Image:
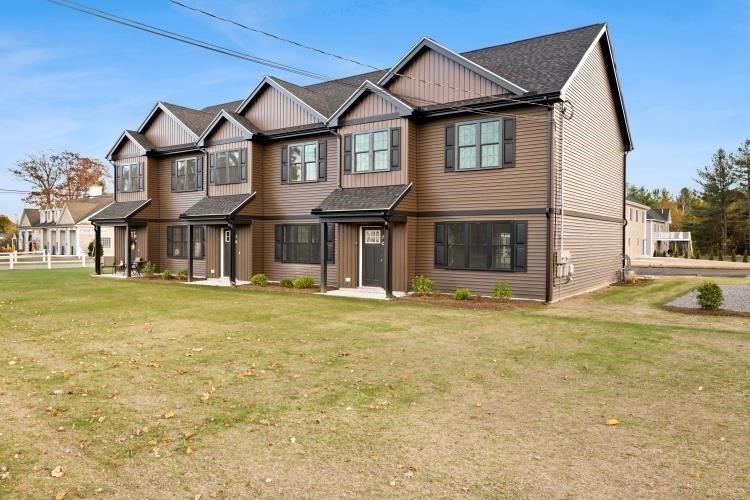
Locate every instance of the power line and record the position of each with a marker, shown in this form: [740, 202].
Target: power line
[337, 56]
[241, 55]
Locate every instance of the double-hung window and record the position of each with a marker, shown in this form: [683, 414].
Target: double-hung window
[479, 144]
[371, 151]
[303, 162]
[300, 243]
[493, 246]
[177, 242]
[228, 167]
[186, 173]
[129, 178]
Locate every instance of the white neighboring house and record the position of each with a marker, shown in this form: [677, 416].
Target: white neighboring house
[65, 230]
[647, 231]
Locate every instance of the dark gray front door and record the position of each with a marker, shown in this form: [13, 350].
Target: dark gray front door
[226, 251]
[373, 251]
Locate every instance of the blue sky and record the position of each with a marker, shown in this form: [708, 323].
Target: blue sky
[71, 81]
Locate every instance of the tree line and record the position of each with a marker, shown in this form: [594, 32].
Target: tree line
[717, 214]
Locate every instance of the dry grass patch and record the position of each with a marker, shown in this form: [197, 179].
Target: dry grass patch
[179, 390]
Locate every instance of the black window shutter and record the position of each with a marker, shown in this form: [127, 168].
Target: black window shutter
[509, 142]
[439, 244]
[212, 168]
[199, 173]
[450, 147]
[118, 184]
[331, 243]
[243, 164]
[322, 163]
[348, 154]
[284, 164]
[519, 246]
[170, 238]
[278, 247]
[140, 176]
[174, 175]
[396, 148]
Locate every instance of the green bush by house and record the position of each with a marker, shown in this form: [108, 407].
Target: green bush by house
[166, 274]
[149, 269]
[304, 282]
[462, 294]
[182, 275]
[502, 291]
[710, 295]
[286, 282]
[422, 285]
[259, 279]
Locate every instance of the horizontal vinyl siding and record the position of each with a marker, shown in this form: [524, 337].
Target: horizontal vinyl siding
[165, 131]
[176, 265]
[226, 189]
[377, 178]
[433, 78]
[171, 205]
[273, 110]
[300, 198]
[135, 195]
[522, 186]
[278, 270]
[595, 248]
[528, 285]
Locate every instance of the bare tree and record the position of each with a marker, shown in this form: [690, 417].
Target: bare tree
[58, 177]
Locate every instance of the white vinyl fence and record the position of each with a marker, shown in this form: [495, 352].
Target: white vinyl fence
[42, 260]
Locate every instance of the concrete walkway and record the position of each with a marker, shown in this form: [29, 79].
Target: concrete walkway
[362, 293]
[696, 271]
[216, 282]
[680, 263]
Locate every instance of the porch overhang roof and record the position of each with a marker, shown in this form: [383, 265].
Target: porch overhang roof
[362, 204]
[218, 209]
[119, 212]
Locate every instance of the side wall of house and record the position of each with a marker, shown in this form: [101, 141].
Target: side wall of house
[591, 194]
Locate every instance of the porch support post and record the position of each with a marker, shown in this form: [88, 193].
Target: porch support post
[232, 252]
[128, 251]
[191, 252]
[323, 257]
[97, 244]
[388, 259]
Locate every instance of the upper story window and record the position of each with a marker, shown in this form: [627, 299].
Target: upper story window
[480, 144]
[228, 167]
[187, 174]
[130, 178]
[377, 151]
[371, 151]
[303, 162]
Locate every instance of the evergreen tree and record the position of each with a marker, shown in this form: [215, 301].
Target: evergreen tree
[741, 161]
[717, 183]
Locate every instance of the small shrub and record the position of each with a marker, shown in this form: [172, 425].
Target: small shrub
[733, 258]
[462, 294]
[502, 291]
[166, 274]
[182, 275]
[304, 282]
[744, 256]
[422, 285]
[710, 295]
[259, 279]
[286, 282]
[697, 254]
[149, 269]
[630, 277]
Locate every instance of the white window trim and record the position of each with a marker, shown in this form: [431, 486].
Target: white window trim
[304, 170]
[129, 166]
[216, 167]
[371, 151]
[195, 187]
[478, 145]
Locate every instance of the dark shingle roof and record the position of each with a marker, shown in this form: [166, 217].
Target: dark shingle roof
[223, 206]
[227, 106]
[363, 198]
[541, 64]
[243, 121]
[141, 140]
[660, 214]
[195, 120]
[121, 210]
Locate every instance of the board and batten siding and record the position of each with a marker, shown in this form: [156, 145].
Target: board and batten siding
[522, 186]
[369, 105]
[141, 244]
[295, 199]
[593, 175]
[227, 130]
[244, 187]
[163, 130]
[127, 149]
[386, 178]
[455, 82]
[527, 285]
[273, 110]
[348, 255]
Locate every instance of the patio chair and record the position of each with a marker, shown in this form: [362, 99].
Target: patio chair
[108, 263]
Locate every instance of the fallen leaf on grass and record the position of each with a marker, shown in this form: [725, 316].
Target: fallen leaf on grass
[101, 419]
[189, 451]
[613, 421]
[60, 495]
[205, 396]
[169, 414]
[57, 472]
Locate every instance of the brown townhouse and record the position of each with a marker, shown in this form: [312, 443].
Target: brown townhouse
[502, 163]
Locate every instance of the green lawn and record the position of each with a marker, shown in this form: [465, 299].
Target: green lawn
[148, 389]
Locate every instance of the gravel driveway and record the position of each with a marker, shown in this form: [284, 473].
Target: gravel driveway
[736, 298]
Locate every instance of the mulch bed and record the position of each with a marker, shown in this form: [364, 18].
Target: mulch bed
[706, 312]
[639, 283]
[475, 302]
